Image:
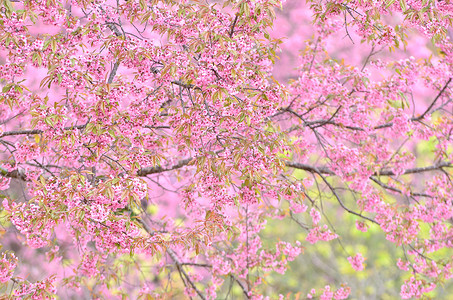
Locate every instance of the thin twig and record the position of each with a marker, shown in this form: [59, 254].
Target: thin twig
[233, 25]
[434, 101]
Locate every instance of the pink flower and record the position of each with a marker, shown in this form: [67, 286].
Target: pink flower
[361, 226]
[327, 294]
[297, 207]
[357, 262]
[315, 216]
[342, 293]
[402, 265]
[7, 266]
[4, 183]
[320, 234]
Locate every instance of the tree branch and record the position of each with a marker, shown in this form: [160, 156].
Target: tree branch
[393, 189]
[117, 63]
[178, 263]
[36, 131]
[13, 174]
[311, 169]
[159, 169]
[244, 290]
[332, 189]
[181, 269]
[319, 123]
[143, 172]
[325, 170]
[185, 85]
[113, 73]
[434, 101]
[233, 25]
[437, 166]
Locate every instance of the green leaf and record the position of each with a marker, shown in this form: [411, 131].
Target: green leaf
[389, 3]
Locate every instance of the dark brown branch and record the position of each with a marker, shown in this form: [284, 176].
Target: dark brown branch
[332, 189]
[311, 169]
[369, 56]
[437, 166]
[233, 25]
[346, 27]
[325, 170]
[142, 172]
[35, 131]
[185, 85]
[113, 73]
[181, 270]
[38, 131]
[327, 122]
[13, 174]
[20, 132]
[298, 222]
[330, 119]
[159, 169]
[113, 28]
[117, 63]
[393, 189]
[319, 123]
[434, 101]
[244, 290]
[321, 171]
[196, 265]
[10, 118]
[157, 127]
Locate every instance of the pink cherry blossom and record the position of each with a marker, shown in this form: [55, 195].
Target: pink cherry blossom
[357, 261]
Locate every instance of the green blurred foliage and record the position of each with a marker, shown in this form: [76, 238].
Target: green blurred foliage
[325, 263]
